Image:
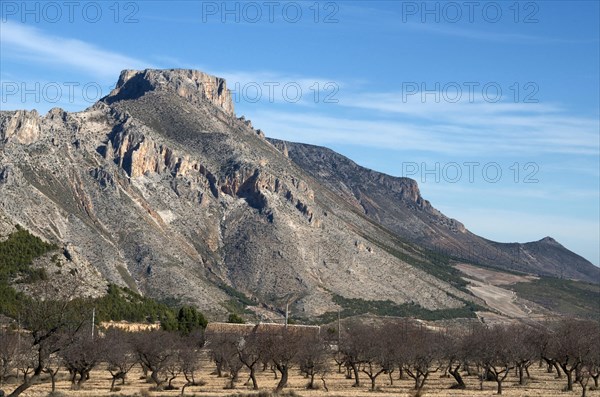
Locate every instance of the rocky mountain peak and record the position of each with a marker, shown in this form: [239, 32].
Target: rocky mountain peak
[192, 85]
[549, 240]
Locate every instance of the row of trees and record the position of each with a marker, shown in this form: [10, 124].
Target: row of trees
[569, 347]
[162, 355]
[401, 350]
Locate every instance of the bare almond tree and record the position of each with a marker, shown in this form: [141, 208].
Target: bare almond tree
[251, 352]
[493, 349]
[454, 347]
[47, 323]
[569, 345]
[524, 340]
[314, 359]
[118, 354]
[190, 361]
[282, 346]
[154, 349]
[422, 354]
[9, 352]
[81, 354]
[352, 347]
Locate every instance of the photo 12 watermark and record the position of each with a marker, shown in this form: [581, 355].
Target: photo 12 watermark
[70, 11]
[525, 12]
[284, 91]
[270, 11]
[469, 91]
[471, 172]
[50, 92]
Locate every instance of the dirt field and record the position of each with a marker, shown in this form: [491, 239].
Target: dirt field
[542, 384]
[487, 285]
[492, 277]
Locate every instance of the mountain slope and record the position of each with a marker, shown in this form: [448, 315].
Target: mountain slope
[162, 188]
[397, 204]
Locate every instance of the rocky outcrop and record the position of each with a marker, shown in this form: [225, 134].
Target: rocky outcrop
[21, 127]
[192, 85]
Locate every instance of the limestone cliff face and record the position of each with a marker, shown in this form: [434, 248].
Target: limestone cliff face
[21, 127]
[192, 85]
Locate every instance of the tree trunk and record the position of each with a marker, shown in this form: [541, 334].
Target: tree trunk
[311, 384]
[284, 377]
[253, 377]
[558, 372]
[324, 383]
[356, 378]
[144, 370]
[401, 375]
[569, 375]
[521, 377]
[154, 377]
[112, 385]
[53, 380]
[27, 383]
[499, 386]
[460, 383]
[422, 385]
[84, 376]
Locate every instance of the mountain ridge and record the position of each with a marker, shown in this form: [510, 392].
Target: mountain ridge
[161, 188]
[336, 170]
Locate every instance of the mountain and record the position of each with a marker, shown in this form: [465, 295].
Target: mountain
[397, 204]
[161, 188]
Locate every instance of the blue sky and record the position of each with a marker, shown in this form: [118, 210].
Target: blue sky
[493, 107]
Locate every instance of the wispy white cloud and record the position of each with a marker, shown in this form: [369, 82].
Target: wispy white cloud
[28, 43]
[459, 129]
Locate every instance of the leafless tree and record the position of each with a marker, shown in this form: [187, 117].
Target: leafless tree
[154, 349]
[454, 346]
[250, 350]
[282, 347]
[422, 354]
[189, 357]
[543, 340]
[524, 342]
[9, 352]
[314, 359]
[351, 345]
[47, 322]
[81, 354]
[53, 365]
[118, 354]
[493, 349]
[378, 357]
[220, 347]
[589, 336]
[569, 345]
